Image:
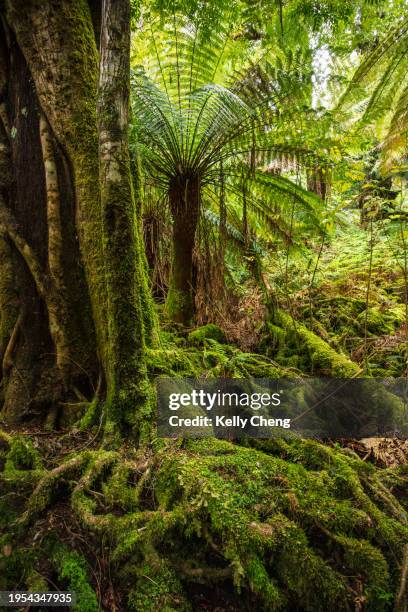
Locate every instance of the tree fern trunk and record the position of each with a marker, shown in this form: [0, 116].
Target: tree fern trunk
[184, 196]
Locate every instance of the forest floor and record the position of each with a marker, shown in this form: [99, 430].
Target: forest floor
[202, 525]
[209, 524]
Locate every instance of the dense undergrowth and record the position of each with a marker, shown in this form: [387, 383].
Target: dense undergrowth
[192, 525]
[371, 327]
[358, 311]
[185, 525]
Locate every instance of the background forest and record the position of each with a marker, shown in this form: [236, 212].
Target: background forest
[200, 189]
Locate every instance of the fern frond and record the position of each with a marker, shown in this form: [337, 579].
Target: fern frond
[378, 93]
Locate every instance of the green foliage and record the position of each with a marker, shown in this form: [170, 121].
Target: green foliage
[228, 95]
[198, 113]
[380, 82]
[221, 114]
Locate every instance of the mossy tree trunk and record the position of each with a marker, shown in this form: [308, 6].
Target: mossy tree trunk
[184, 197]
[126, 368]
[72, 278]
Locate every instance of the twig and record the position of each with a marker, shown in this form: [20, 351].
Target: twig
[400, 604]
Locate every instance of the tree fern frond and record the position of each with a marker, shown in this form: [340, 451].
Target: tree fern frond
[391, 43]
[232, 232]
[195, 111]
[395, 145]
[378, 92]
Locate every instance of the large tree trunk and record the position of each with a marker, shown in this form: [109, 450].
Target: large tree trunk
[72, 272]
[184, 196]
[51, 346]
[124, 263]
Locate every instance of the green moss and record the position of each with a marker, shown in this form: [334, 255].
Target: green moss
[323, 358]
[277, 335]
[36, 582]
[72, 571]
[368, 563]
[150, 318]
[91, 415]
[254, 503]
[340, 319]
[288, 524]
[216, 360]
[206, 332]
[377, 321]
[157, 587]
[22, 455]
[46, 484]
[260, 583]
[96, 465]
[179, 306]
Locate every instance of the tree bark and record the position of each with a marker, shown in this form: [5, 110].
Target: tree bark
[184, 197]
[73, 276]
[318, 181]
[122, 235]
[58, 43]
[27, 362]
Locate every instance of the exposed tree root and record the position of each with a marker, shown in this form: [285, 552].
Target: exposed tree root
[287, 525]
[8, 353]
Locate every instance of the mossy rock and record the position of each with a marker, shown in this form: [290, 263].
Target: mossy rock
[207, 332]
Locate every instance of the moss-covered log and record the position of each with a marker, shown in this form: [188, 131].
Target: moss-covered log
[287, 331]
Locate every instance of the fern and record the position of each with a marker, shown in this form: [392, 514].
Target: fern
[378, 92]
[203, 101]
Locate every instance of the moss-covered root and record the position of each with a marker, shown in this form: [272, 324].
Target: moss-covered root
[86, 467]
[301, 525]
[323, 357]
[293, 535]
[288, 525]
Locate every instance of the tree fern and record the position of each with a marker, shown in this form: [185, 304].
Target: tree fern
[199, 105]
